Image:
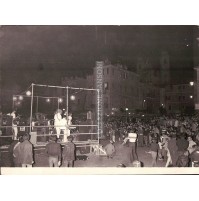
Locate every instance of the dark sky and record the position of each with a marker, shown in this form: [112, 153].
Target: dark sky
[43, 53]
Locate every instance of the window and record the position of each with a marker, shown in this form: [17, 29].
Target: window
[106, 85]
[112, 71]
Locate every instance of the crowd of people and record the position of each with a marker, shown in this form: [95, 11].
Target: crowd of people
[173, 139]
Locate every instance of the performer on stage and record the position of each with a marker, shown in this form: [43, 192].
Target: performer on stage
[67, 122]
[58, 121]
[64, 128]
[14, 124]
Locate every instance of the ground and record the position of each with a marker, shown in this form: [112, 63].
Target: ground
[97, 161]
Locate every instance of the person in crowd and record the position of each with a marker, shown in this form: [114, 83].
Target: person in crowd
[146, 132]
[26, 152]
[112, 134]
[194, 157]
[182, 145]
[132, 138]
[154, 151]
[172, 148]
[191, 144]
[53, 151]
[110, 149]
[14, 152]
[69, 153]
[140, 136]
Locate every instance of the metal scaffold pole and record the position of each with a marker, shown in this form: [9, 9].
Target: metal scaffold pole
[31, 109]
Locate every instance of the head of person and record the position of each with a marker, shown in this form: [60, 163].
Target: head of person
[53, 138]
[70, 138]
[121, 165]
[111, 141]
[26, 136]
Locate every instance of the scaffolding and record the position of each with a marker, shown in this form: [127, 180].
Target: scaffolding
[91, 143]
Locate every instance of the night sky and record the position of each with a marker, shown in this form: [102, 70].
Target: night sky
[42, 54]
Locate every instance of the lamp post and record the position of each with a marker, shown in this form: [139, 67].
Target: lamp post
[126, 113]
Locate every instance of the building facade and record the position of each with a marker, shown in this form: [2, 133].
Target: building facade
[179, 98]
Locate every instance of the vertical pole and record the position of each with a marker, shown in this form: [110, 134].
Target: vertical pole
[37, 105]
[57, 103]
[98, 115]
[31, 107]
[12, 103]
[67, 102]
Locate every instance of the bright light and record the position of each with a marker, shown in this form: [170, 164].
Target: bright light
[48, 100]
[127, 109]
[72, 97]
[191, 96]
[143, 115]
[18, 103]
[162, 104]
[144, 100]
[28, 93]
[191, 83]
[129, 113]
[20, 97]
[112, 113]
[60, 100]
[14, 98]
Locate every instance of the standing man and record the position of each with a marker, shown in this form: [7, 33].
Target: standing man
[58, 122]
[69, 153]
[53, 150]
[26, 152]
[132, 137]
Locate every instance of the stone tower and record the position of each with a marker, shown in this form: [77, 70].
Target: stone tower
[164, 69]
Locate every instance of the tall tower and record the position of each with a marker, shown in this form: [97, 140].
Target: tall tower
[164, 69]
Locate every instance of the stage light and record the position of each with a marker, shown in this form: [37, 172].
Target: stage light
[18, 103]
[48, 100]
[60, 100]
[20, 97]
[72, 97]
[28, 93]
[14, 98]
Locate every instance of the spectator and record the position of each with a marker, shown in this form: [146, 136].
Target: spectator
[69, 153]
[154, 152]
[26, 152]
[14, 152]
[53, 150]
[110, 149]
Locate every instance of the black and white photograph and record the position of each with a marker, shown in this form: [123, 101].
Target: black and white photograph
[115, 96]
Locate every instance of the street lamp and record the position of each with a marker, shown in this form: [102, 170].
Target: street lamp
[72, 97]
[126, 113]
[28, 93]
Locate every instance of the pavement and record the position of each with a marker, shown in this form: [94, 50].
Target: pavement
[121, 156]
